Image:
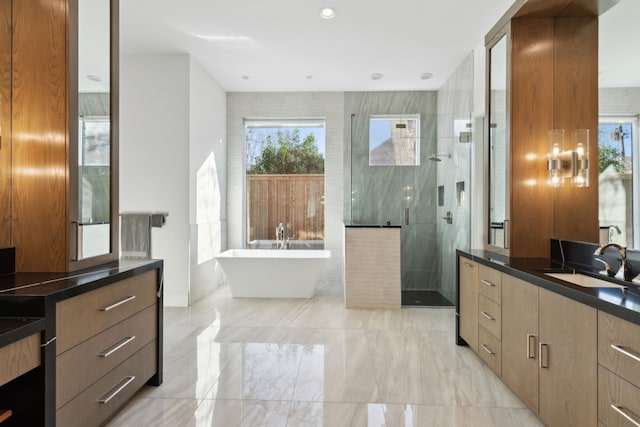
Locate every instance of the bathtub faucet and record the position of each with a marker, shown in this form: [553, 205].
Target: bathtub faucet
[281, 242]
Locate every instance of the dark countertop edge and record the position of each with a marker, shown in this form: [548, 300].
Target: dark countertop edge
[31, 326]
[371, 226]
[125, 270]
[532, 275]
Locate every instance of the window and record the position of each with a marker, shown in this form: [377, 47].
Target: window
[285, 183]
[618, 180]
[394, 140]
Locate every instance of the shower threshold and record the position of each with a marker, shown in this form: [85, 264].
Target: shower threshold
[424, 298]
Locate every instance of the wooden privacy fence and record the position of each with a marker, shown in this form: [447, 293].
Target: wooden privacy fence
[296, 200]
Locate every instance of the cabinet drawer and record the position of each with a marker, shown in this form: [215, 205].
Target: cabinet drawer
[84, 364]
[490, 316]
[19, 358]
[618, 400]
[86, 315]
[105, 397]
[619, 347]
[490, 350]
[490, 283]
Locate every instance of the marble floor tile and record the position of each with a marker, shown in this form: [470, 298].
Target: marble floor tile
[336, 367]
[156, 413]
[286, 362]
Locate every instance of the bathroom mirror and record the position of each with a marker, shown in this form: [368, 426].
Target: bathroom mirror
[619, 109]
[94, 213]
[497, 148]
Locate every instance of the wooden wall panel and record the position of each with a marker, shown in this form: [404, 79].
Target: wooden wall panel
[40, 139]
[576, 107]
[5, 123]
[531, 109]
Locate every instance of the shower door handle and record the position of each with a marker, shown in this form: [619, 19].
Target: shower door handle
[448, 217]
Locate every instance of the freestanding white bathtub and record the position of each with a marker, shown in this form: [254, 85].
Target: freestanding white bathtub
[266, 273]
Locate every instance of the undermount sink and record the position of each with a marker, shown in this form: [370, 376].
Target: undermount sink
[584, 280]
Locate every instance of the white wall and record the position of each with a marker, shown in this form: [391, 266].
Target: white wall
[327, 105]
[207, 179]
[172, 121]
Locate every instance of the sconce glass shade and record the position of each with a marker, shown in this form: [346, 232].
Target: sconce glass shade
[554, 162]
[580, 140]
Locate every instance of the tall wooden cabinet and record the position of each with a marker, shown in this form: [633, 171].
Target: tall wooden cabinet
[45, 135]
[551, 70]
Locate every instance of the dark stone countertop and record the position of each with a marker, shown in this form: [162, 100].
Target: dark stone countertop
[532, 270]
[32, 294]
[15, 329]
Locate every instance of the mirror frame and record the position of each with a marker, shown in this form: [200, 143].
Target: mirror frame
[491, 41]
[114, 253]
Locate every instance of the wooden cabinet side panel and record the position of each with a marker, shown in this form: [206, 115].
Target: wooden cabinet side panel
[576, 107]
[19, 357]
[531, 117]
[469, 302]
[569, 386]
[40, 140]
[519, 319]
[5, 122]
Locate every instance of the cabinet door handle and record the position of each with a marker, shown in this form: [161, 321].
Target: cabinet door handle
[117, 389]
[630, 354]
[119, 303]
[621, 410]
[486, 282]
[487, 315]
[467, 264]
[544, 355]
[117, 347]
[530, 347]
[487, 349]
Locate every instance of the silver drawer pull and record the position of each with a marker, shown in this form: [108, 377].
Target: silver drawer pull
[119, 303]
[621, 410]
[487, 315]
[544, 355]
[626, 352]
[117, 347]
[529, 346]
[117, 389]
[487, 349]
[486, 282]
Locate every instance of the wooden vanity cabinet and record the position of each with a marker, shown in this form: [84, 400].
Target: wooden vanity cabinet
[549, 354]
[489, 316]
[618, 371]
[106, 348]
[468, 301]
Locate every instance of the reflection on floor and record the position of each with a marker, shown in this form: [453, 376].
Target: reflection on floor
[425, 298]
[284, 362]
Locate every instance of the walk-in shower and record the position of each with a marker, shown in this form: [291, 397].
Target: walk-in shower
[392, 136]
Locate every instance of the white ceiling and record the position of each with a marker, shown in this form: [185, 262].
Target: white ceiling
[284, 45]
[278, 43]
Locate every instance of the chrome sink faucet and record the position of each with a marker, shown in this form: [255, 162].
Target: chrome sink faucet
[624, 272]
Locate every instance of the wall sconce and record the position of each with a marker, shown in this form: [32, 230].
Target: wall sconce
[572, 163]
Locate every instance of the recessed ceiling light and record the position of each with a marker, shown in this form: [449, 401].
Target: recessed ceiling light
[94, 78]
[245, 77]
[327, 12]
[308, 77]
[376, 76]
[426, 76]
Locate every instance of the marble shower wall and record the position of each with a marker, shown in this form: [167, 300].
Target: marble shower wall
[455, 106]
[377, 192]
